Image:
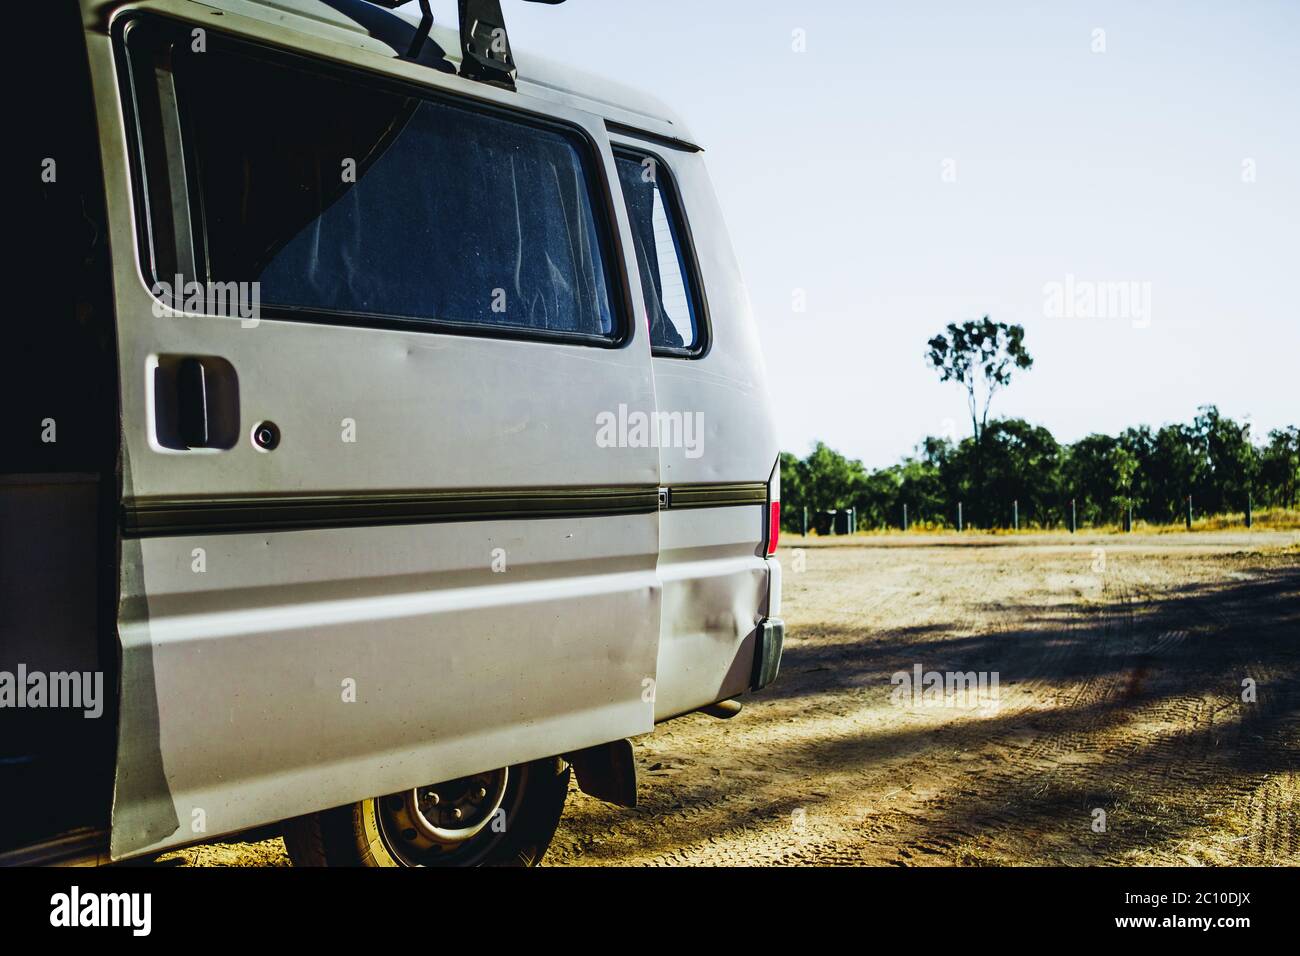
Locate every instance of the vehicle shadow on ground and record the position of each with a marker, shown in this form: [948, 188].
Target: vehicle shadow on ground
[1144, 707]
[1061, 644]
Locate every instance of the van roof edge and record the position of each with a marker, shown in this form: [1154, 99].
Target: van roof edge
[618, 102]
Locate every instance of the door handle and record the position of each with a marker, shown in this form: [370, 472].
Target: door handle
[196, 402]
[192, 403]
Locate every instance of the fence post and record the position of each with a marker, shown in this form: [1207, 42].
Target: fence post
[959, 525]
[1189, 512]
[1074, 516]
[1015, 514]
[1249, 516]
[905, 516]
[1128, 519]
[805, 521]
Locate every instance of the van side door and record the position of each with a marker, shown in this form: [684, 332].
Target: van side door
[371, 321]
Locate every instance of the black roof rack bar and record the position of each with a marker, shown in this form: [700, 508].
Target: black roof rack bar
[484, 44]
[422, 33]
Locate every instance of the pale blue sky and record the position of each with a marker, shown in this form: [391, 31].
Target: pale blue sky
[1125, 165]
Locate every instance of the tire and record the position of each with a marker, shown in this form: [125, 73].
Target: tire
[380, 831]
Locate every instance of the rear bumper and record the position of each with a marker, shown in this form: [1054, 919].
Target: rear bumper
[771, 632]
[767, 652]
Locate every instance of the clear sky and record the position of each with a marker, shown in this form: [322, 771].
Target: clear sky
[928, 162]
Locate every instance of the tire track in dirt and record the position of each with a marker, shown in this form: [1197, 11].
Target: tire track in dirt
[1179, 722]
[1057, 734]
[1262, 746]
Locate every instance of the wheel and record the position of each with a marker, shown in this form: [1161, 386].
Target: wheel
[502, 817]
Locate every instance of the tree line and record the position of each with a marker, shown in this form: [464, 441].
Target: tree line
[1012, 471]
[1152, 471]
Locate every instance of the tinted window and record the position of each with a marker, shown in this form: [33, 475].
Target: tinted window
[344, 197]
[658, 235]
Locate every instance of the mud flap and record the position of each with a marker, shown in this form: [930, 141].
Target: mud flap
[607, 772]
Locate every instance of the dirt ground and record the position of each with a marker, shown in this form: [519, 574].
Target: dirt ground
[1147, 711]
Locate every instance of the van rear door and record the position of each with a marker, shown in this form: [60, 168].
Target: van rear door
[369, 326]
[718, 446]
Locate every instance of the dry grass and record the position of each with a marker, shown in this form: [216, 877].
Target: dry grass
[1265, 519]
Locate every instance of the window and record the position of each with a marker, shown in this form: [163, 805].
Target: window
[671, 298]
[352, 200]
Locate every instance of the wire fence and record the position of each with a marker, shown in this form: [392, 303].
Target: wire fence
[844, 521]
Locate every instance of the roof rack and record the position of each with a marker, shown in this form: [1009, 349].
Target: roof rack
[484, 44]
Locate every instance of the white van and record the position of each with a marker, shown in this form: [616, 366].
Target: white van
[391, 438]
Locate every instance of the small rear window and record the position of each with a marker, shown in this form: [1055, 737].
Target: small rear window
[352, 200]
[658, 232]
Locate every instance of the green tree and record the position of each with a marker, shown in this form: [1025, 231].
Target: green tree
[1125, 465]
[878, 498]
[1279, 467]
[1090, 478]
[1230, 463]
[794, 492]
[980, 356]
[1018, 462]
[824, 480]
[921, 484]
[1173, 468]
[832, 479]
[1138, 444]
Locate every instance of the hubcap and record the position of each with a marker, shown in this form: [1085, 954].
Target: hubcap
[441, 817]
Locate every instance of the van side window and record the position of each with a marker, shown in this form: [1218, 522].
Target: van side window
[671, 297]
[357, 201]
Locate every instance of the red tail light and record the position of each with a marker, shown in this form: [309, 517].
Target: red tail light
[774, 527]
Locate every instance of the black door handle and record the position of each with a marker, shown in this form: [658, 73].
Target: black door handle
[197, 402]
[192, 403]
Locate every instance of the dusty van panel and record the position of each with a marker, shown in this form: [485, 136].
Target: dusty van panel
[352, 547]
[327, 666]
[715, 594]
